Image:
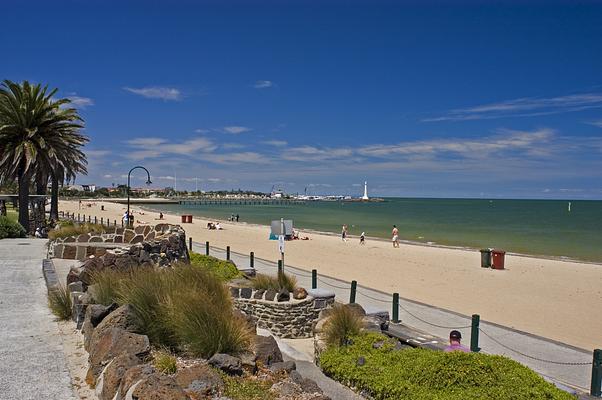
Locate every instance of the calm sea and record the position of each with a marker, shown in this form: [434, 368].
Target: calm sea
[536, 227]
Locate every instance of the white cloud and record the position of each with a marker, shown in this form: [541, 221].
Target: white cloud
[233, 146]
[153, 147]
[277, 143]
[263, 84]
[81, 102]
[236, 129]
[524, 107]
[199, 130]
[597, 123]
[96, 153]
[107, 176]
[311, 153]
[156, 92]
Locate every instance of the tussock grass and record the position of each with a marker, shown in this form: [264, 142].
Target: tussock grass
[185, 308]
[343, 323]
[282, 280]
[59, 302]
[105, 286]
[165, 362]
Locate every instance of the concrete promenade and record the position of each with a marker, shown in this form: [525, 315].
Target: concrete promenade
[32, 362]
[562, 363]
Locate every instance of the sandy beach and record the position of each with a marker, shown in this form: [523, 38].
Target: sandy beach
[555, 299]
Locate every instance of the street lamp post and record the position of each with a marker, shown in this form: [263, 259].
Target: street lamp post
[148, 182]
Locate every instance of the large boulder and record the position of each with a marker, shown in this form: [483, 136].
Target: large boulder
[227, 363]
[199, 380]
[95, 313]
[156, 387]
[266, 350]
[133, 375]
[89, 268]
[110, 379]
[111, 344]
[122, 318]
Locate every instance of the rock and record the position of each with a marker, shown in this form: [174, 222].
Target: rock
[299, 293]
[357, 308]
[286, 389]
[240, 283]
[95, 313]
[270, 294]
[259, 294]
[89, 268]
[266, 350]
[227, 363]
[249, 362]
[361, 360]
[75, 287]
[371, 324]
[235, 292]
[246, 293]
[320, 293]
[284, 366]
[73, 275]
[199, 380]
[382, 316]
[310, 386]
[249, 320]
[112, 343]
[122, 318]
[110, 379]
[283, 295]
[132, 376]
[378, 345]
[157, 387]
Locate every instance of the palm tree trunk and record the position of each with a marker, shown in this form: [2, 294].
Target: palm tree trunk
[54, 198]
[23, 181]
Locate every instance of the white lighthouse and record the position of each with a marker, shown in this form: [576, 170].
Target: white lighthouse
[365, 196]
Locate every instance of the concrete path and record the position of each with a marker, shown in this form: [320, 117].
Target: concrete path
[32, 363]
[562, 363]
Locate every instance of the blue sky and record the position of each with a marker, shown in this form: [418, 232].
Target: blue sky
[471, 99]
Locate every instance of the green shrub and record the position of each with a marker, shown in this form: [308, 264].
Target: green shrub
[165, 362]
[10, 228]
[225, 270]
[425, 374]
[59, 301]
[241, 388]
[343, 323]
[67, 229]
[283, 280]
[105, 286]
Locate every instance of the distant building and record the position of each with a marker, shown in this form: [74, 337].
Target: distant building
[82, 188]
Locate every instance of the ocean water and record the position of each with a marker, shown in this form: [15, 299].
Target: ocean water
[534, 227]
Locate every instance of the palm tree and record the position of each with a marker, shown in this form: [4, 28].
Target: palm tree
[39, 136]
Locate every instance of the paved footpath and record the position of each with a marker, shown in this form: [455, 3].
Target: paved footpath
[32, 363]
[564, 364]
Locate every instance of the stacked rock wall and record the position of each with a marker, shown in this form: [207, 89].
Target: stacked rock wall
[286, 319]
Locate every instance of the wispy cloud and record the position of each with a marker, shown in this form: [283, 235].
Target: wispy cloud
[523, 107]
[157, 92]
[247, 157]
[263, 84]
[232, 146]
[200, 130]
[311, 153]
[597, 123]
[236, 129]
[276, 143]
[81, 102]
[155, 147]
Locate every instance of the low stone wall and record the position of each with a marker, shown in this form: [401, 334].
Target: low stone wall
[286, 319]
[91, 244]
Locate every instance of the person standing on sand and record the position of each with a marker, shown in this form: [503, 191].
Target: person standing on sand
[363, 238]
[395, 234]
[344, 233]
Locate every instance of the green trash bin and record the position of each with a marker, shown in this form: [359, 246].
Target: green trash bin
[485, 258]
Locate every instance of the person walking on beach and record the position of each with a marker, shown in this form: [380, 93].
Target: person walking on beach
[237, 217]
[344, 233]
[454, 343]
[395, 234]
[363, 238]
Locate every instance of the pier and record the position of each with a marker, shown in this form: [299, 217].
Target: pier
[241, 202]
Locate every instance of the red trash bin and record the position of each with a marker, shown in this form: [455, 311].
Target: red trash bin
[189, 219]
[184, 219]
[497, 259]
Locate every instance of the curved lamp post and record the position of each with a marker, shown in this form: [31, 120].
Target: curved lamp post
[148, 182]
